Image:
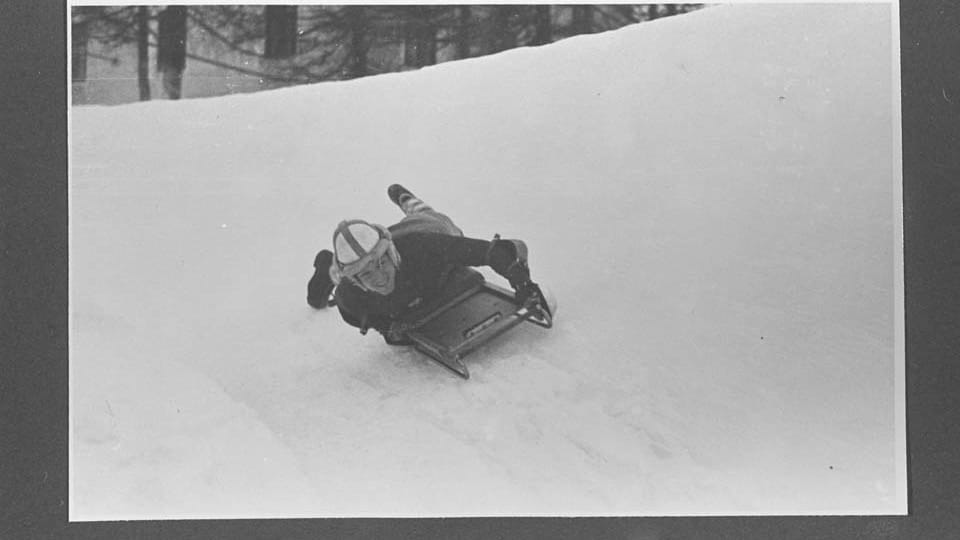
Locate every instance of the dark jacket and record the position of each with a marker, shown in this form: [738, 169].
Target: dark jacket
[425, 261]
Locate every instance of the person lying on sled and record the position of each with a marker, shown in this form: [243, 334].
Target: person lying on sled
[381, 273]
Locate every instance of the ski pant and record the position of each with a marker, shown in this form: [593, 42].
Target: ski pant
[421, 217]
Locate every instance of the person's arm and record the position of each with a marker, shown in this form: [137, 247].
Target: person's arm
[506, 257]
[356, 315]
[320, 285]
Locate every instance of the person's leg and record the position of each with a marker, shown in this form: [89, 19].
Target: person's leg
[411, 204]
[426, 221]
[419, 216]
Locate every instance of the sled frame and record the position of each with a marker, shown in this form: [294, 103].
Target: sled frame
[468, 319]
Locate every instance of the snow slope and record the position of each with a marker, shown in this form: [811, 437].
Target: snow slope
[710, 196]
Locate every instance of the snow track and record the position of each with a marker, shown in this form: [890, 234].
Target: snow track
[712, 201]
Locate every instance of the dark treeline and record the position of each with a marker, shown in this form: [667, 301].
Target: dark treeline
[303, 44]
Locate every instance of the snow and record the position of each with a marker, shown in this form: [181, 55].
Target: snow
[711, 197]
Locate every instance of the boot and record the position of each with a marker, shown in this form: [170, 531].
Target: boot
[399, 194]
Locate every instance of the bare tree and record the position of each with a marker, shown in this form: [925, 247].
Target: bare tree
[111, 27]
[240, 28]
[615, 16]
[543, 25]
[421, 24]
[80, 40]
[281, 31]
[358, 27]
[462, 32]
[172, 49]
[656, 11]
[582, 20]
[504, 27]
[329, 42]
[143, 52]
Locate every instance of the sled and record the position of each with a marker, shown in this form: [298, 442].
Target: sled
[470, 312]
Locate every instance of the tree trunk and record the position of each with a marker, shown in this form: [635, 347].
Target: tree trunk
[78, 45]
[463, 32]
[420, 43]
[502, 32]
[172, 49]
[582, 20]
[359, 27]
[143, 52]
[281, 32]
[629, 13]
[543, 25]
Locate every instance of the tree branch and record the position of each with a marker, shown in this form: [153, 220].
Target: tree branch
[227, 41]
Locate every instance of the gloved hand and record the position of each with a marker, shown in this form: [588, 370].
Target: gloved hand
[529, 294]
[320, 285]
[509, 259]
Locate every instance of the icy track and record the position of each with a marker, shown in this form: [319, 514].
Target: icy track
[710, 196]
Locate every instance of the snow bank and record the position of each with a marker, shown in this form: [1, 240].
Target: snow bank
[710, 197]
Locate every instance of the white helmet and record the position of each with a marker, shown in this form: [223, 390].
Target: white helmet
[357, 243]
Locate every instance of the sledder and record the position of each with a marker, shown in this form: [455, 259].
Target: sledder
[411, 282]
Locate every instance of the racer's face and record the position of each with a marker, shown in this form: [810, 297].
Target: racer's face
[379, 276]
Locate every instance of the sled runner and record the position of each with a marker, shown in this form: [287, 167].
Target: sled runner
[469, 313]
